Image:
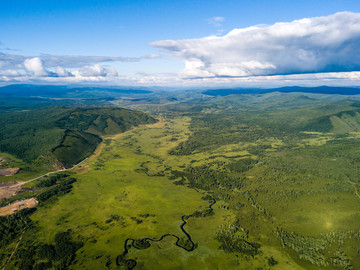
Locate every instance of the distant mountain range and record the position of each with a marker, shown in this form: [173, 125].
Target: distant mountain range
[60, 91]
[289, 89]
[102, 92]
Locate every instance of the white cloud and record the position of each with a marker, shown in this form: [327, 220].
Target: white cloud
[96, 70]
[66, 61]
[165, 79]
[9, 73]
[34, 65]
[75, 61]
[61, 72]
[66, 69]
[216, 21]
[311, 51]
[310, 45]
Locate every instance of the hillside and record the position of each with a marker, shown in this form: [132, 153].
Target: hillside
[103, 121]
[68, 134]
[264, 181]
[289, 89]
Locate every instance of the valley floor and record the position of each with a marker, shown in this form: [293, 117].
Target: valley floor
[136, 205]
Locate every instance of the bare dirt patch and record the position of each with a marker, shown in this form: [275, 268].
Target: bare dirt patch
[9, 171]
[9, 189]
[17, 206]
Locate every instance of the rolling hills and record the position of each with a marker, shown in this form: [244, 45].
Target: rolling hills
[252, 181]
[64, 134]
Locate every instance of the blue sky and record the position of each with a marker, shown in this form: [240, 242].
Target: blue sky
[128, 34]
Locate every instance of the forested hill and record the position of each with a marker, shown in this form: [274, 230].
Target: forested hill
[289, 89]
[67, 135]
[103, 121]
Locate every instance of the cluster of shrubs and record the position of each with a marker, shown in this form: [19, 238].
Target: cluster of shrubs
[60, 186]
[58, 256]
[62, 253]
[234, 238]
[52, 180]
[11, 226]
[242, 165]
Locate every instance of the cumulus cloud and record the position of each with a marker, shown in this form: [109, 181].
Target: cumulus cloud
[55, 68]
[61, 72]
[310, 45]
[15, 68]
[96, 70]
[310, 51]
[34, 65]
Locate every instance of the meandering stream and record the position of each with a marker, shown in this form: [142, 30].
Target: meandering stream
[144, 243]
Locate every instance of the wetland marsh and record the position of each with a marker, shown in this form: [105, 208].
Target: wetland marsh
[221, 185]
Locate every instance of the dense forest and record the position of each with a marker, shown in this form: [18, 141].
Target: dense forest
[64, 134]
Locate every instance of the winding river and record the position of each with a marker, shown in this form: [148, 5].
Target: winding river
[187, 245]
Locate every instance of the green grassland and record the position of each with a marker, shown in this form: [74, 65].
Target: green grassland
[49, 138]
[248, 182]
[117, 200]
[28, 171]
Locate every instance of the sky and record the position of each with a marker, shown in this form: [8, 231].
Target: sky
[180, 42]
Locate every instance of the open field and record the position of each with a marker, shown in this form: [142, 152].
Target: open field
[26, 172]
[218, 187]
[122, 197]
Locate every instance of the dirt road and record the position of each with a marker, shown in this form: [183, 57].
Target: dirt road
[17, 206]
[9, 189]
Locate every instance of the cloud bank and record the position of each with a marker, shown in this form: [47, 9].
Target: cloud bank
[310, 45]
[57, 68]
[96, 70]
[310, 51]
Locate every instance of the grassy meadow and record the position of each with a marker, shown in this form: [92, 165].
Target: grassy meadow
[145, 206]
[282, 183]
